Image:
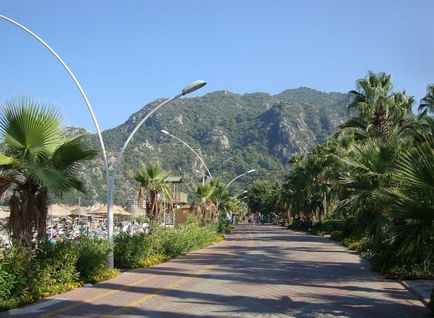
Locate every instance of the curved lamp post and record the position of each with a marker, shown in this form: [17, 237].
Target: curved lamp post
[76, 82]
[109, 181]
[185, 144]
[202, 174]
[187, 90]
[243, 174]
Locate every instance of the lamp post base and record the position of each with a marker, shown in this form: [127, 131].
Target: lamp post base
[110, 260]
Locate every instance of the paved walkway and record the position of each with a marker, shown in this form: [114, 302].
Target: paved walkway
[258, 271]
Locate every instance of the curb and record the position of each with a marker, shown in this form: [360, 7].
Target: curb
[414, 292]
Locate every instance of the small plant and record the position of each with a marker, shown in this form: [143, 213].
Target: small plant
[54, 269]
[131, 250]
[14, 273]
[153, 260]
[331, 225]
[92, 259]
[355, 245]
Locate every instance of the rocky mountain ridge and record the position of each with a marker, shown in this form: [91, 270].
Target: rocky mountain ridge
[232, 132]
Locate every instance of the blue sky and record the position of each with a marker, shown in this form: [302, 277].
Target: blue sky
[128, 53]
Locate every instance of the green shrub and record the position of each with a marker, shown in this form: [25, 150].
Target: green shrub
[299, 224]
[153, 260]
[102, 272]
[27, 275]
[331, 225]
[131, 250]
[353, 244]
[14, 273]
[407, 271]
[54, 269]
[183, 239]
[173, 242]
[223, 226]
[92, 259]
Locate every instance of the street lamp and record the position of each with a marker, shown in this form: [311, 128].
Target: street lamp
[185, 144]
[109, 181]
[187, 90]
[202, 174]
[243, 174]
[76, 82]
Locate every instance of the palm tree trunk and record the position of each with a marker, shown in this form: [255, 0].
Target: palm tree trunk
[29, 212]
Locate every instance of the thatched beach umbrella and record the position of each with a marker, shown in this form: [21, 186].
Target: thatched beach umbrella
[117, 211]
[4, 214]
[58, 210]
[80, 211]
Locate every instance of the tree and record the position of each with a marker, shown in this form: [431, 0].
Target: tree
[264, 197]
[411, 201]
[427, 103]
[378, 109]
[38, 156]
[204, 198]
[152, 179]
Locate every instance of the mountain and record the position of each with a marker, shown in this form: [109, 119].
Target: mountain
[232, 132]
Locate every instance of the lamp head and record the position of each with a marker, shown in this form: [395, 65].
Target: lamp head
[250, 171]
[193, 87]
[164, 131]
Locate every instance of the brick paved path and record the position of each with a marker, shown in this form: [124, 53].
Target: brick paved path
[258, 271]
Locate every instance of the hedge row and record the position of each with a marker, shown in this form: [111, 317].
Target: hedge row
[29, 274]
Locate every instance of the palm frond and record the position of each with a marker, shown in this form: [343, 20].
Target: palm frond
[71, 152]
[29, 128]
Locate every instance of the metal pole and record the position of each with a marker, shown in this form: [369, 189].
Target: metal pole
[76, 82]
[115, 170]
[109, 181]
[185, 144]
[238, 177]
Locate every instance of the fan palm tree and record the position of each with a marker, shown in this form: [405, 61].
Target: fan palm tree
[368, 170]
[204, 200]
[37, 157]
[378, 109]
[411, 200]
[152, 179]
[427, 103]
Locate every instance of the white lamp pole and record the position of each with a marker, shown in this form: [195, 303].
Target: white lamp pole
[192, 150]
[187, 90]
[109, 181]
[243, 174]
[202, 174]
[76, 82]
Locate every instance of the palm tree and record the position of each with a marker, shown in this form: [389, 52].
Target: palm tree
[204, 200]
[411, 201]
[37, 157]
[368, 170]
[307, 191]
[152, 179]
[427, 103]
[378, 109]
[232, 204]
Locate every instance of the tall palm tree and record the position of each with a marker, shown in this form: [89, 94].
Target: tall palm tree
[37, 157]
[152, 179]
[378, 109]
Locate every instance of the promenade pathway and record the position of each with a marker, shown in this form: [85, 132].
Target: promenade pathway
[258, 271]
